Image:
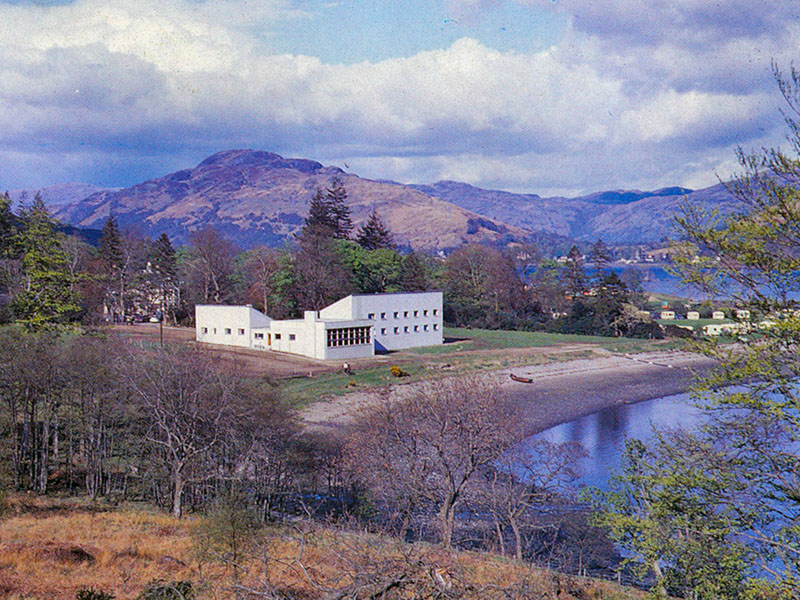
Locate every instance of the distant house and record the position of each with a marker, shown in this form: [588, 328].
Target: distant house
[742, 314]
[692, 315]
[717, 329]
[667, 315]
[718, 315]
[353, 327]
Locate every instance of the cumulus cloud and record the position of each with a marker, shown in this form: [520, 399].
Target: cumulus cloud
[145, 84]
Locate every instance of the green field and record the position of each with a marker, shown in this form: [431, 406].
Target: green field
[464, 350]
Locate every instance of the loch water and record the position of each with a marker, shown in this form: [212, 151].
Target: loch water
[603, 434]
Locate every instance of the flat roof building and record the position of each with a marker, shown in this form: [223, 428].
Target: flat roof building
[353, 327]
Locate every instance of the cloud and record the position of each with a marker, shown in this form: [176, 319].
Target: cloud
[145, 85]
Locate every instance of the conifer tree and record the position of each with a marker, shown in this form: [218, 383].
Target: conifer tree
[112, 257]
[110, 249]
[374, 234]
[320, 216]
[336, 196]
[6, 225]
[164, 269]
[48, 296]
[328, 214]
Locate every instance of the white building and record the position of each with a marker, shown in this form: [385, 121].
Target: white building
[405, 320]
[353, 327]
[228, 325]
[692, 315]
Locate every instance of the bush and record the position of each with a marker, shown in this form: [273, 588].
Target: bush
[93, 594]
[397, 371]
[167, 590]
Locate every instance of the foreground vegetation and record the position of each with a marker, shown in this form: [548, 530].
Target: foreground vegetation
[53, 548]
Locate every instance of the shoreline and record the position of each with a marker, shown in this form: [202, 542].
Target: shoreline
[559, 393]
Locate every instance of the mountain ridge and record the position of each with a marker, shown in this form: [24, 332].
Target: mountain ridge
[258, 197]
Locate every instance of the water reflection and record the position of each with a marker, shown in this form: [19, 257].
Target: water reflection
[603, 434]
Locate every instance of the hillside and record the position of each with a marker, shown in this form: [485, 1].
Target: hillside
[257, 197]
[52, 549]
[615, 216]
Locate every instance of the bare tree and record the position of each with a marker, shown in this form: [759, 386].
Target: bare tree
[261, 266]
[211, 265]
[526, 479]
[428, 446]
[194, 410]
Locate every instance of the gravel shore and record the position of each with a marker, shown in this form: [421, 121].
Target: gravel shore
[559, 392]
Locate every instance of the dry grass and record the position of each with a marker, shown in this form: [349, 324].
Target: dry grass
[49, 550]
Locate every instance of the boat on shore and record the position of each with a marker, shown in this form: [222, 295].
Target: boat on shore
[521, 379]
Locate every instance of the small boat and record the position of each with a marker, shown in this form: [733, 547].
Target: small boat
[521, 379]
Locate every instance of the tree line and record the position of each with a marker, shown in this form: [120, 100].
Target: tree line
[49, 278]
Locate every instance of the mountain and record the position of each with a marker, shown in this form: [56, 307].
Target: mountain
[254, 197]
[617, 216]
[57, 196]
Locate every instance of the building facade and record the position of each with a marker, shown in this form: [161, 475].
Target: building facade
[353, 327]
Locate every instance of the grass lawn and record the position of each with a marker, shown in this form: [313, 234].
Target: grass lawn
[464, 350]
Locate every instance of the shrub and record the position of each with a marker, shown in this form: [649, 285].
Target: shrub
[93, 594]
[167, 590]
[397, 371]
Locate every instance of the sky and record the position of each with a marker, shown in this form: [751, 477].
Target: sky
[554, 97]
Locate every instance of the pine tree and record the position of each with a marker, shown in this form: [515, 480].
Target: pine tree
[336, 196]
[48, 296]
[112, 258]
[374, 234]
[6, 225]
[320, 216]
[328, 214]
[110, 249]
[164, 270]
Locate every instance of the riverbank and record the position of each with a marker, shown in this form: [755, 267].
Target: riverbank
[559, 392]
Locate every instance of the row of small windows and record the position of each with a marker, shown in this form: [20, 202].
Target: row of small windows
[406, 314]
[348, 336]
[409, 329]
[227, 330]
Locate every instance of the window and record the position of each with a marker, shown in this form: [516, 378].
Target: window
[383, 316]
[277, 336]
[416, 313]
[241, 332]
[383, 330]
[405, 329]
[227, 331]
[425, 328]
[349, 336]
[416, 328]
[291, 337]
[435, 311]
[396, 330]
[371, 316]
[215, 331]
[259, 336]
[396, 315]
[204, 329]
[435, 327]
[405, 314]
[425, 313]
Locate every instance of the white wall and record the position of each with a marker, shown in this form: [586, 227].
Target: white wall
[311, 337]
[405, 320]
[228, 325]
